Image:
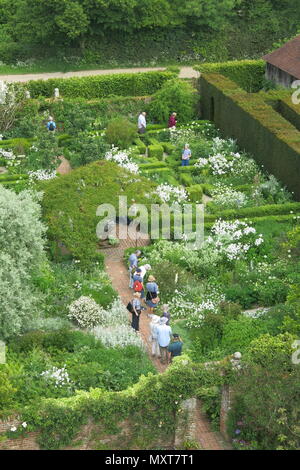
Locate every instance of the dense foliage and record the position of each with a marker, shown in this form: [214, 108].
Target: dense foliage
[22, 249]
[97, 32]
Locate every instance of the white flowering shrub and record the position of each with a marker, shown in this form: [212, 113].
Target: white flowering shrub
[225, 197]
[122, 158]
[233, 239]
[116, 314]
[42, 175]
[192, 311]
[169, 193]
[59, 377]
[21, 252]
[86, 312]
[118, 336]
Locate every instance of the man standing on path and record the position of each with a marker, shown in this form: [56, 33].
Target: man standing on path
[142, 123]
[164, 334]
[175, 347]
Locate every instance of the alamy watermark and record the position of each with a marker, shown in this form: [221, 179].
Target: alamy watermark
[138, 222]
[2, 352]
[296, 354]
[296, 94]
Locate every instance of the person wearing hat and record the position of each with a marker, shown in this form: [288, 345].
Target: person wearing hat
[164, 334]
[136, 311]
[51, 126]
[143, 269]
[175, 347]
[153, 335]
[152, 298]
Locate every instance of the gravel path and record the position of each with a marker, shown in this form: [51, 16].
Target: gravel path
[185, 72]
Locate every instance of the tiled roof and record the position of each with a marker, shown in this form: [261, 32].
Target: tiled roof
[287, 57]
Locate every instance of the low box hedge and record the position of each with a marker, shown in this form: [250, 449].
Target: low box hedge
[168, 147]
[140, 145]
[186, 179]
[195, 193]
[152, 165]
[7, 177]
[155, 149]
[259, 211]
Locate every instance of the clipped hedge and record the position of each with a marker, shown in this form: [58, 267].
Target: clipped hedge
[186, 179]
[140, 145]
[248, 74]
[195, 193]
[152, 165]
[168, 147]
[257, 127]
[155, 149]
[259, 211]
[290, 111]
[101, 86]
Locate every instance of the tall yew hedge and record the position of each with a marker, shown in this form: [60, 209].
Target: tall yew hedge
[258, 128]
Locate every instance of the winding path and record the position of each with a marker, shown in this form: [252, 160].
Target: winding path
[185, 72]
[117, 271]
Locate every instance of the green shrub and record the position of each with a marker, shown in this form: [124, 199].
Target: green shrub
[153, 165]
[175, 95]
[101, 86]
[156, 151]
[120, 133]
[248, 74]
[168, 147]
[80, 193]
[186, 179]
[195, 192]
[238, 334]
[140, 146]
[7, 391]
[268, 349]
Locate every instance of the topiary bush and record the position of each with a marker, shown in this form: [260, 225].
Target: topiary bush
[121, 133]
[175, 95]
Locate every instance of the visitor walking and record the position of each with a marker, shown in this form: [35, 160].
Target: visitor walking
[142, 124]
[138, 285]
[166, 313]
[152, 298]
[164, 334]
[51, 126]
[136, 311]
[172, 120]
[133, 264]
[143, 269]
[186, 155]
[175, 347]
[153, 335]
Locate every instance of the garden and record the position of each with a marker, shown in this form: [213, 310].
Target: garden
[71, 353]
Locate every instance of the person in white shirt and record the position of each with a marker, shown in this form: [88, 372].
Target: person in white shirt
[143, 269]
[142, 123]
[164, 335]
[153, 335]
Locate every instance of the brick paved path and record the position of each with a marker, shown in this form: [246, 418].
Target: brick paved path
[118, 273]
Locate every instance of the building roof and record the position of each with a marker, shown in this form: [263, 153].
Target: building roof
[287, 57]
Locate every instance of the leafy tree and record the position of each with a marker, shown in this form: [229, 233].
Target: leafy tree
[21, 241]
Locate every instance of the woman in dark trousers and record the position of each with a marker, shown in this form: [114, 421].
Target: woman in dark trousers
[136, 311]
[152, 298]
